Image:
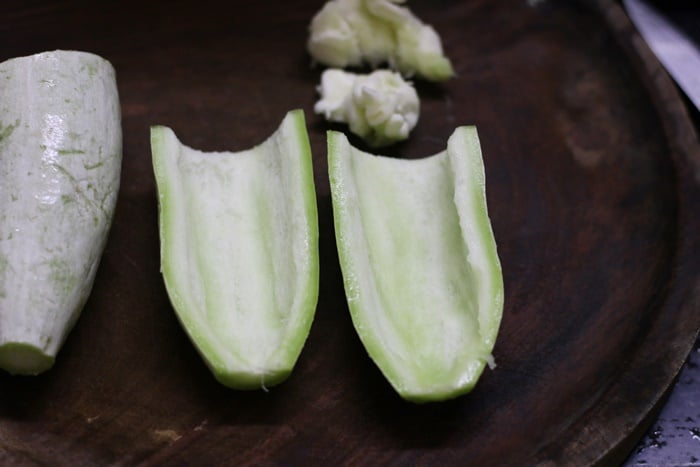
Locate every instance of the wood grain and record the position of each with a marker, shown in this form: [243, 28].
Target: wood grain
[593, 184]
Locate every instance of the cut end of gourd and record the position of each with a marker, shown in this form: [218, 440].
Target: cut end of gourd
[425, 393]
[251, 380]
[20, 358]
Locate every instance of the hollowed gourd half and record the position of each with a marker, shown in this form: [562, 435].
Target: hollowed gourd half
[239, 250]
[422, 276]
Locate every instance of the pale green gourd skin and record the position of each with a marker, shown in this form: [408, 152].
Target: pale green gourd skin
[60, 163]
[422, 276]
[239, 250]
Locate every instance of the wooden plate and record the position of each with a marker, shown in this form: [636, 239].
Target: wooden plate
[593, 183]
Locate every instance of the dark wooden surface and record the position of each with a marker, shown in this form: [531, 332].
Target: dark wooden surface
[593, 174]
